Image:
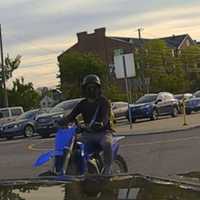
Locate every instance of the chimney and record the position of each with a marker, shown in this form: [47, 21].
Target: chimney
[81, 35]
[100, 31]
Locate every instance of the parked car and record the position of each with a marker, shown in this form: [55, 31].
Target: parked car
[46, 123]
[180, 98]
[154, 105]
[193, 104]
[24, 125]
[197, 93]
[10, 113]
[119, 109]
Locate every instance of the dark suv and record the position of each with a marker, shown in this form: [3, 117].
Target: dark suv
[46, 123]
[154, 105]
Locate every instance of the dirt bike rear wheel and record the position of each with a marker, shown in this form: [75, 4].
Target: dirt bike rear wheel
[119, 165]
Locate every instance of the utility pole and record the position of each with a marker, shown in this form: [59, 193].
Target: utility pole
[141, 50]
[139, 32]
[3, 72]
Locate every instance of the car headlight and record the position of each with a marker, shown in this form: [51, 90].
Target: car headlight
[61, 115]
[147, 106]
[17, 125]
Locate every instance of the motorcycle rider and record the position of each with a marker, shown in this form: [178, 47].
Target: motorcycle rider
[95, 110]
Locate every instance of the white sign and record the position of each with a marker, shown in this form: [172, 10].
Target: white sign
[130, 65]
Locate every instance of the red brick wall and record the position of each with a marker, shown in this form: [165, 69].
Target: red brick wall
[98, 44]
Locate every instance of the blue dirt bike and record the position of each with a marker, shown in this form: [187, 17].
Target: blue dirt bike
[72, 157]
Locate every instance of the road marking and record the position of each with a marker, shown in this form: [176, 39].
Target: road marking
[161, 142]
[13, 141]
[33, 148]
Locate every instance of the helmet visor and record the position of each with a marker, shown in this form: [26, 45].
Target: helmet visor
[92, 90]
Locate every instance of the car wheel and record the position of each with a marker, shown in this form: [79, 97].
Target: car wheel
[174, 112]
[154, 115]
[28, 131]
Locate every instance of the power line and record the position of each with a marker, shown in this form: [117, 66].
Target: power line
[16, 38]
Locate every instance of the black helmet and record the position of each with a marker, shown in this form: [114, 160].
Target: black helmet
[91, 86]
[91, 79]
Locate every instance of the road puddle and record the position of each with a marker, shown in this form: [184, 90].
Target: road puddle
[122, 187]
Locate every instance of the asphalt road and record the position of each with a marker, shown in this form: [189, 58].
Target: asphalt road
[159, 155]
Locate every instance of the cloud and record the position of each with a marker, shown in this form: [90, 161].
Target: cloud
[11, 3]
[41, 30]
[39, 60]
[40, 75]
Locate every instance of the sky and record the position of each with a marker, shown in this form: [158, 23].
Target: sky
[41, 30]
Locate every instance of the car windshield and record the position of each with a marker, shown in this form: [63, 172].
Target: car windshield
[66, 105]
[57, 108]
[147, 99]
[178, 97]
[196, 94]
[28, 115]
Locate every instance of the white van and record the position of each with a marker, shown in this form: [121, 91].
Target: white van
[9, 113]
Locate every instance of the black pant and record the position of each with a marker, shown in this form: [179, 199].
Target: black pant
[104, 139]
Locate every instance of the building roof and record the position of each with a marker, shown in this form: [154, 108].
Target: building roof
[173, 41]
[136, 42]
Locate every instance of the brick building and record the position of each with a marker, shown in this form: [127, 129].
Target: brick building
[100, 44]
[105, 46]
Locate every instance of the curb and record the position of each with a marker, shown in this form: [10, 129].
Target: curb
[159, 132]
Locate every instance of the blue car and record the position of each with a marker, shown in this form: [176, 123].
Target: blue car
[24, 125]
[153, 105]
[193, 104]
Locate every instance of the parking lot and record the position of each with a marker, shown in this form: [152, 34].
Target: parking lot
[148, 153]
[146, 126]
[163, 124]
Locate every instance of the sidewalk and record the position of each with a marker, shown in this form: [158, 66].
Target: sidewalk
[164, 124]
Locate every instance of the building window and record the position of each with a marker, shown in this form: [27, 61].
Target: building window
[16, 112]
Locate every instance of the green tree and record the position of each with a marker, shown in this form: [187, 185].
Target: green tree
[9, 66]
[23, 95]
[165, 71]
[190, 60]
[114, 93]
[74, 66]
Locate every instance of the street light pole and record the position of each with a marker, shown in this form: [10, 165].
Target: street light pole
[3, 71]
[141, 51]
